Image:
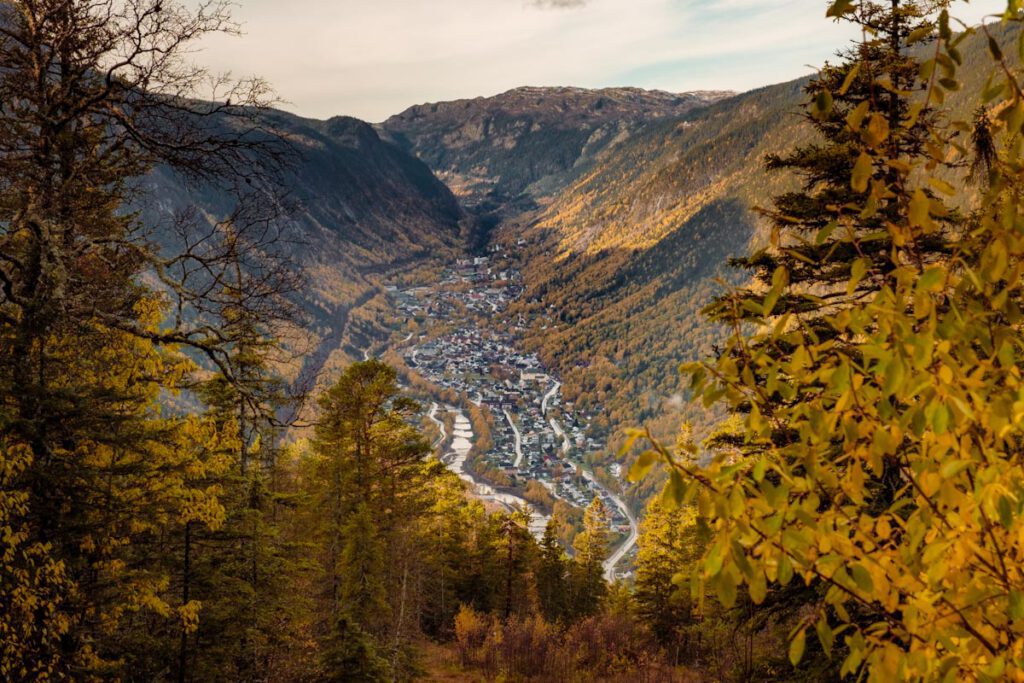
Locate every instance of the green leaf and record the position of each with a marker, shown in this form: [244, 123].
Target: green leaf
[894, 374]
[919, 34]
[856, 117]
[931, 280]
[759, 468]
[858, 270]
[796, 647]
[850, 77]
[825, 233]
[862, 578]
[877, 130]
[825, 636]
[631, 437]
[1014, 117]
[913, 114]
[944, 31]
[940, 419]
[862, 171]
[785, 571]
[1016, 605]
[942, 186]
[1005, 511]
[642, 465]
[920, 206]
[758, 588]
[726, 589]
[674, 493]
[953, 468]
[780, 277]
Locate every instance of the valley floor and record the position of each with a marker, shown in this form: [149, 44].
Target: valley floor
[464, 341]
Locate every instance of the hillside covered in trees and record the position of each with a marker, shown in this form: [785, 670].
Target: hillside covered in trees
[177, 505]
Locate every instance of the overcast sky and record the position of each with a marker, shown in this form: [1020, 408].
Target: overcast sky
[374, 58]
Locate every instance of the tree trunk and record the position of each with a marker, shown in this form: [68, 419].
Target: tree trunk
[186, 578]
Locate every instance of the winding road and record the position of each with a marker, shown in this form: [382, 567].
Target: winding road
[547, 397]
[566, 445]
[620, 552]
[519, 438]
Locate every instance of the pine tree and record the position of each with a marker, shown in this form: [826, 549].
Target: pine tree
[831, 244]
[241, 575]
[832, 254]
[552, 576]
[373, 492]
[95, 478]
[837, 240]
[449, 577]
[888, 496]
[514, 549]
[350, 655]
[670, 544]
[588, 586]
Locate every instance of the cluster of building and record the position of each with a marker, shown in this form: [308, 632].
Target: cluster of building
[536, 435]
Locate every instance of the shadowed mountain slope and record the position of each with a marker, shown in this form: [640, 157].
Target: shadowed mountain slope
[529, 142]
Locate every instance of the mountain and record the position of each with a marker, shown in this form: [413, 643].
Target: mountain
[358, 207]
[624, 206]
[631, 251]
[528, 143]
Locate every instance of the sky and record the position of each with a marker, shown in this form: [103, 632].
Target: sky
[374, 58]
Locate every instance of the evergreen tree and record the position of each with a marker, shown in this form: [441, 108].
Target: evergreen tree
[452, 537]
[879, 447]
[514, 549]
[95, 478]
[350, 656]
[824, 253]
[588, 586]
[373, 492]
[670, 543]
[837, 240]
[552, 576]
[241, 572]
[831, 240]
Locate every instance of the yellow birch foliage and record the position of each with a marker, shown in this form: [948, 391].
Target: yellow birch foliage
[884, 457]
[135, 478]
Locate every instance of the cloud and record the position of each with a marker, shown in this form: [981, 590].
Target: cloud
[374, 59]
[558, 4]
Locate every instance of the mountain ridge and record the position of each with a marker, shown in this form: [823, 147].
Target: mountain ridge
[508, 152]
[358, 207]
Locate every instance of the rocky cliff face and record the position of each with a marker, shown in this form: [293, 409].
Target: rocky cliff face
[529, 143]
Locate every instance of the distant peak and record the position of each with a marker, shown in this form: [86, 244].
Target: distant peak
[621, 91]
[624, 100]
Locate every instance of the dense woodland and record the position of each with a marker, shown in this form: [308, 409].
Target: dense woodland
[855, 511]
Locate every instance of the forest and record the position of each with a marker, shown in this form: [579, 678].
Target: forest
[175, 505]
